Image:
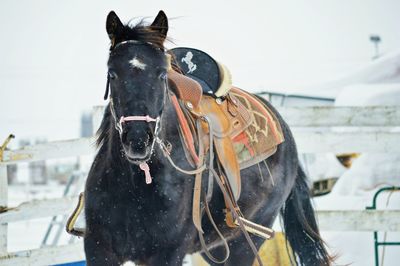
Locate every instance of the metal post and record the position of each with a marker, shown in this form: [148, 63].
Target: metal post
[375, 39]
[3, 206]
[376, 248]
[376, 240]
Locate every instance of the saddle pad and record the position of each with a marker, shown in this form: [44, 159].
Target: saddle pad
[259, 140]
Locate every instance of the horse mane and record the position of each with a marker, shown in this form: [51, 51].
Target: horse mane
[142, 32]
[105, 130]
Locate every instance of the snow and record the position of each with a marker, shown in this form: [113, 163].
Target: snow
[357, 247]
[301, 50]
[376, 84]
[369, 172]
[369, 94]
[322, 166]
[382, 74]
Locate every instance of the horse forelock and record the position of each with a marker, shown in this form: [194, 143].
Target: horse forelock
[142, 32]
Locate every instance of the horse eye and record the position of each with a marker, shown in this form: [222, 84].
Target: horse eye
[111, 74]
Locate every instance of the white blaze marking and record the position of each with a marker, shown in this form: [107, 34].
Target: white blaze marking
[136, 63]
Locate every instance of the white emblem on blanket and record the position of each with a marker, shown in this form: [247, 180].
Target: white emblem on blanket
[188, 60]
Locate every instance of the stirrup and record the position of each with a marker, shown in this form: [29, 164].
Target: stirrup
[257, 229]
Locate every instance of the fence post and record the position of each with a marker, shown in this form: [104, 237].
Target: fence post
[3, 204]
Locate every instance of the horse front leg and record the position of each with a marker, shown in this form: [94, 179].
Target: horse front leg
[99, 251]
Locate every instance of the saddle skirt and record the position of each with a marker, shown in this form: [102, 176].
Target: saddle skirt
[261, 138]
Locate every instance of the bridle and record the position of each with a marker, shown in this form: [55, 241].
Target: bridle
[119, 122]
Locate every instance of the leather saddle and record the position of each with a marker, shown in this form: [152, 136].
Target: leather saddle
[237, 125]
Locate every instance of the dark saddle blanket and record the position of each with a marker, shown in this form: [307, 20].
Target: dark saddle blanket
[200, 67]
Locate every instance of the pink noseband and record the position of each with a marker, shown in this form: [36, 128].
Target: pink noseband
[146, 118]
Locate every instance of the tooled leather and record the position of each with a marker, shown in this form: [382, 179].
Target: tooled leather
[185, 88]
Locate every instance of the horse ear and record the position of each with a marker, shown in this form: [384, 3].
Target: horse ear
[114, 26]
[160, 23]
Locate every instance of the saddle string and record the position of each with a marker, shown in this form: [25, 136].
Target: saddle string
[270, 174]
[261, 174]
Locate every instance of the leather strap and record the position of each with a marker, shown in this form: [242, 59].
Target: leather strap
[187, 133]
[196, 211]
[203, 242]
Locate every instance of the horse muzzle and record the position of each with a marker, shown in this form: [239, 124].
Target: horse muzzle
[137, 138]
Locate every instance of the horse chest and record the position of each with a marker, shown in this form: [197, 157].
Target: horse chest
[149, 220]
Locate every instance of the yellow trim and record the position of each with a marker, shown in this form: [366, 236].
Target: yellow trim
[72, 219]
[4, 145]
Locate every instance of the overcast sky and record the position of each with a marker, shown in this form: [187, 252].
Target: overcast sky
[53, 53]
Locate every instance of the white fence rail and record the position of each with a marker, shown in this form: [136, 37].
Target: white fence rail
[368, 129]
[38, 209]
[308, 123]
[330, 116]
[349, 220]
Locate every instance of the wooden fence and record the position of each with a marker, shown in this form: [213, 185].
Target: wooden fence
[316, 130]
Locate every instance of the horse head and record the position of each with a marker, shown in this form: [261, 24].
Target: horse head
[137, 81]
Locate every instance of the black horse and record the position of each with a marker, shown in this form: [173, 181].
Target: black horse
[151, 224]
